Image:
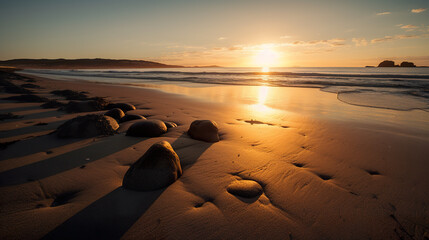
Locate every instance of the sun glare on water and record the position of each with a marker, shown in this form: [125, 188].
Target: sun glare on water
[265, 69]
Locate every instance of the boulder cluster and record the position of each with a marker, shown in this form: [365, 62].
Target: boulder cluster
[160, 165]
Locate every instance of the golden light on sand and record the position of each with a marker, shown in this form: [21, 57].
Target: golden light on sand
[260, 109]
[266, 57]
[262, 97]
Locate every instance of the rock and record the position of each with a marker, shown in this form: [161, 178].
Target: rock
[170, 124]
[147, 128]
[5, 116]
[407, 64]
[387, 63]
[205, 130]
[52, 104]
[129, 117]
[245, 188]
[84, 106]
[115, 113]
[16, 89]
[157, 168]
[70, 94]
[27, 98]
[30, 85]
[87, 126]
[123, 106]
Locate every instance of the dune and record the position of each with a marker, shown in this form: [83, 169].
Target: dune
[294, 177]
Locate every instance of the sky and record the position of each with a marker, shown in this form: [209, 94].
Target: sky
[240, 33]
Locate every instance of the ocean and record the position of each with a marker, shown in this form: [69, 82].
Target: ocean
[392, 88]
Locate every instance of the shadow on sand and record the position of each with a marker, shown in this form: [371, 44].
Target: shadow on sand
[112, 215]
[66, 161]
[107, 218]
[34, 145]
[19, 109]
[31, 129]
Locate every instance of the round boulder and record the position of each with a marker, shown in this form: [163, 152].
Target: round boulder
[130, 117]
[87, 126]
[245, 188]
[205, 130]
[115, 113]
[157, 168]
[84, 106]
[170, 124]
[147, 128]
[123, 106]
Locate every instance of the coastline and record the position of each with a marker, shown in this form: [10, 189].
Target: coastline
[321, 177]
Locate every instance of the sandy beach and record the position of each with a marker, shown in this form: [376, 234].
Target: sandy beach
[328, 177]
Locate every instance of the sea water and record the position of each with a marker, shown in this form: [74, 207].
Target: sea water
[392, 88]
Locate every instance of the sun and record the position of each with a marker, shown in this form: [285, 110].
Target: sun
[265, 58]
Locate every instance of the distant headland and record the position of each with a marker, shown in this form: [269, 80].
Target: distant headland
[84, 63]
[389, 63]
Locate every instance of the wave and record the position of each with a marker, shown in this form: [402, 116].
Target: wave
[282, 74]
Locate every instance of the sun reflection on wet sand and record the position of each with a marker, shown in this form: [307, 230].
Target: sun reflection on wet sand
[272, 104]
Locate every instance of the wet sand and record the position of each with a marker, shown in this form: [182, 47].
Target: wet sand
[339, 172]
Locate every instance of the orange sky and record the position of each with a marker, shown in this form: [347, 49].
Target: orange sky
[243, 33]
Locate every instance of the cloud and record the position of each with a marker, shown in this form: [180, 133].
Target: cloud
[235, 48]
[243, 52]
[334, 42]
[360, 42]
[383, 39]
[285, 36]
[418, 10]
[409, 26]
[396, 37]
[221, 38]
[383, 13]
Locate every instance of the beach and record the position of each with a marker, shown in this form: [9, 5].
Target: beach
[328, 169]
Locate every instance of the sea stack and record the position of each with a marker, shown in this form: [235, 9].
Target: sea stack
[407, 64]
[387, 63]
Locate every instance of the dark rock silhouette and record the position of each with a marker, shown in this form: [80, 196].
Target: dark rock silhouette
[157, 168]
[407, 64]
[205, 130]
[85, 106]
[9, 87]
[87, 126]
[387, 63]
[70, 94]
[147, 128]
[27, 98]
[245, 188]
[16, 89]
[129, 117]
[170, 124]
[52, 104]
[5, 116]
[30, 85]
[123, 106]
[115, 113]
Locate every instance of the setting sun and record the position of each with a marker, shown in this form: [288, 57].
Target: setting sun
[266, 58]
